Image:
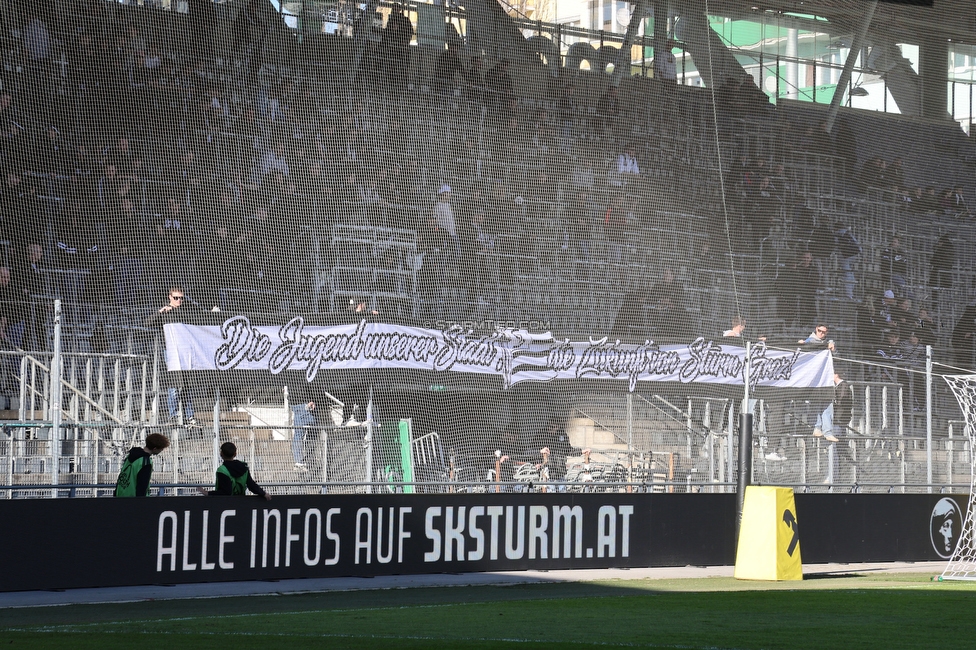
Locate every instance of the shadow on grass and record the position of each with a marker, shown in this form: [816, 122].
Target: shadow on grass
[696, 613]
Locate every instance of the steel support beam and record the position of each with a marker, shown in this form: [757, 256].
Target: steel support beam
[623, 56]
[845, 75]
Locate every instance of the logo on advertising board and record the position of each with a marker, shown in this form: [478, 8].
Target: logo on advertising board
[945, 526]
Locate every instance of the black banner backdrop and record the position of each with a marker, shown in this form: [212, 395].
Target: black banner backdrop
[64, 543]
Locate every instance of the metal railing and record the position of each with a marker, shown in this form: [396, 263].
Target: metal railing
[110, 387]
[84, 490]
[103, 404]
[89, 456]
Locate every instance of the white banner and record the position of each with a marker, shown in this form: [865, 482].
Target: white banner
[516, 355]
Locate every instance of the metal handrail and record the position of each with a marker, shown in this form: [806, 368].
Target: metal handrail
[595, 421]
[707, 431]
[80, 355]
[492, 484]
[98, 407]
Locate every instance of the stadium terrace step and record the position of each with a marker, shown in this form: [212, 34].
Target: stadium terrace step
[11, 415]
[584, 433]
[226, 417]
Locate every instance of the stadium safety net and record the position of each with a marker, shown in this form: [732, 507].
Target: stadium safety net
[480, 246]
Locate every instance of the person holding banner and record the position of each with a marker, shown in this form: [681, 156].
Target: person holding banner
[818, 339]
[137, 469]
[176, 392]
[737, 329]
[233, 476]
[834, 420]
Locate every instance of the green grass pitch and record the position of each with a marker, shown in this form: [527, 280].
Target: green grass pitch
[855, 611]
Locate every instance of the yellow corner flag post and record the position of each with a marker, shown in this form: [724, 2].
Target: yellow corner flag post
[769, 537]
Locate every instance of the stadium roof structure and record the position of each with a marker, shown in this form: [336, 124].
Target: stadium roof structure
[902, 19]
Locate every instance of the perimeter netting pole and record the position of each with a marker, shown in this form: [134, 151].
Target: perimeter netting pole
[962, 566]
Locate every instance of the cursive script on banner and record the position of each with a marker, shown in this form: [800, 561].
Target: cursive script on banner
[298, 349]
[242, 342]
[710, 360]
[606, 359]
[314, 351]
[779, 368]
[460, 348]
[508, 353]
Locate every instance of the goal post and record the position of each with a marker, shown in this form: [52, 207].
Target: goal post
[962, 565]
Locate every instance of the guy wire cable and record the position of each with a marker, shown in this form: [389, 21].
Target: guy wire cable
[721, 169]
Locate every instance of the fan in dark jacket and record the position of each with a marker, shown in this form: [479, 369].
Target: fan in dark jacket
[233, 477]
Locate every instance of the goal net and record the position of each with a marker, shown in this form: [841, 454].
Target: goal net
[962, 565]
